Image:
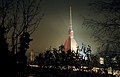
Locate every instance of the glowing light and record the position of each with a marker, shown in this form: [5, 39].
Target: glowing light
[70, 43]
[101, 60]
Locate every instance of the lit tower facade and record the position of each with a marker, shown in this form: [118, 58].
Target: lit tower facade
[70, 43]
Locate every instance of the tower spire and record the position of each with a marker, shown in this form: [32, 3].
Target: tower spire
[70, 25]
[70, 43]
[70, 17]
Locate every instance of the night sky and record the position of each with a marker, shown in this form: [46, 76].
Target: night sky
[53, 28]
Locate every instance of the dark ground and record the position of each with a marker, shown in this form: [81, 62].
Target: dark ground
[50, 72]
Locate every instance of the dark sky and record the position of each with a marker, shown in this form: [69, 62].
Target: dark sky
[53, 29]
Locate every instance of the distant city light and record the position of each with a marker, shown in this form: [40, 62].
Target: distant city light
[101, 60]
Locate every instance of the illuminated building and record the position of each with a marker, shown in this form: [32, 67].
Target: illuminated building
[31, 56]
[101, 60]
[70, 43]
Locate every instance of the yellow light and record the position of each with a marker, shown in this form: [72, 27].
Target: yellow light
[101, 60]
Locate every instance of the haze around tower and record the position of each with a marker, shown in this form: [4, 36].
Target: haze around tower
[70, 43]
[53, 28]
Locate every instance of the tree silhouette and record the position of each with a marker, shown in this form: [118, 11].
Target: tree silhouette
[4, 53]
[59, 59]
[24, 45]
[107, 27]
[18, 19]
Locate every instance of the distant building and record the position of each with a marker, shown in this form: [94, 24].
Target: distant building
[101, 60]
[31, 56]
[70, 43]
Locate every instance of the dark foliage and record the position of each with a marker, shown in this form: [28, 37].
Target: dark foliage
[107, 26]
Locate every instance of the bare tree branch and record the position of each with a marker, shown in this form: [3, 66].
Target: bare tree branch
[106, 30]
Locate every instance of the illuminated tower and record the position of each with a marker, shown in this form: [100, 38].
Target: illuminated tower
[70, 43]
